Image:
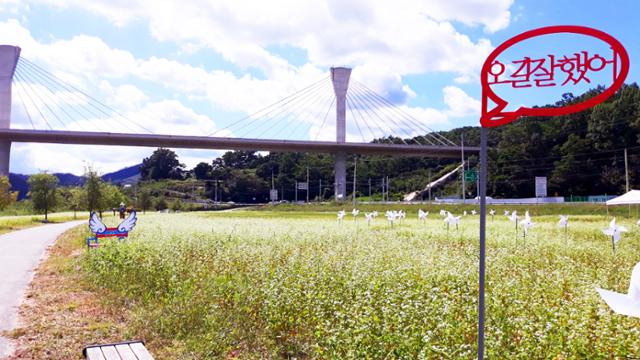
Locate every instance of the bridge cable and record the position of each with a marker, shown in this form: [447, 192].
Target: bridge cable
[49, 94]
[357, 99]
[96, 101]
[311, 115]
[286, 99]
[19, 92]
[32, 101]
[430, 131]
[277, 111]
[400, 126]
[68, 96]
[36, 94]
[300, 102]
[333, 100]
[73, 96]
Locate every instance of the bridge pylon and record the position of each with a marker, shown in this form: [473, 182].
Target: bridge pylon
[9, 56]
[340, 78]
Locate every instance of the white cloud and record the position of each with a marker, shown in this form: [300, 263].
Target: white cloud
[410, 36]
[459, 103]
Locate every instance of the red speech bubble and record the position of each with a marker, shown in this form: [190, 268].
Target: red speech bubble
[496, 116]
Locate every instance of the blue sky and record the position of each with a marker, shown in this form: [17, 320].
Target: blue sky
[195, 67]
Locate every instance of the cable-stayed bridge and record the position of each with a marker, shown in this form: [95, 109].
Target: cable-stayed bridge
[336, 107]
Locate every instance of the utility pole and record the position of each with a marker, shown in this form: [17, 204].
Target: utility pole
[215, 192]
[429, 186]
[320, 191]
[307, 184]
[355, 169]
[388, 183]
[383, 189]
[272, 186]
[626, 168]
[369, 189]
[296, 185]
[462, 150]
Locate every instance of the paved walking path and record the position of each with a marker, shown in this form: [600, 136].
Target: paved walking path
[20, 253]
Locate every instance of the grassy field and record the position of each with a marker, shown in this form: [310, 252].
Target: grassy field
[11, 223]
[297, 284]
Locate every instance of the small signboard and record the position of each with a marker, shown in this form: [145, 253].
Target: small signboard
[303, 186]
[541, 186]
[273, 195]
[470, 175]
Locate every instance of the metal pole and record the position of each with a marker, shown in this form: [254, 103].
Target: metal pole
[355, 170]
[383, 189]
[483, 223]
[307, 184]
[626, 168]
[462, 151]
[215, 192]
[296, 185]
[369, 189]
[320, 191]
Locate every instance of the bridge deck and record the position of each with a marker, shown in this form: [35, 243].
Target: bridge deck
[222, 143]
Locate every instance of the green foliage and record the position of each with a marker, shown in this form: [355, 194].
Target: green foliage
[7, 197]
[160, 203]
[144, 200]
[262, 285]
[43, 190]
[162, 164]
[94, 187]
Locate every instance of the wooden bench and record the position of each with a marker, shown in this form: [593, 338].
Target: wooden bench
[127, 350]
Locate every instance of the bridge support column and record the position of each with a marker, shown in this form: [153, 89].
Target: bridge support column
[340, 78]
[9, 56]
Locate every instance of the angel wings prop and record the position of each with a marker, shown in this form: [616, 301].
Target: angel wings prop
[122, 231]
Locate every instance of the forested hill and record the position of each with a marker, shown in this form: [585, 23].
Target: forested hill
[581, 153]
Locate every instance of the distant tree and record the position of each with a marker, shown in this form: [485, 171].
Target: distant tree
[43, 189]
[162, 164]
[75, 198]
[202, 171]
[94, 188]
[113, 196]
[160, 203]
[239, 159]
[7, 197]
[144, 200]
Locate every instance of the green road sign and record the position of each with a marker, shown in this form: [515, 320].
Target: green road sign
[470, 175]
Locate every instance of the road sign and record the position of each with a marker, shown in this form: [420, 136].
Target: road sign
[470, 175]
[541, 186]
[273, 195]
[303, 186]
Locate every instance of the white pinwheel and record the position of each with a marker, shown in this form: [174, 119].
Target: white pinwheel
[492, 213]
[625, 304]
[506, 213]
[452, 220]
[443, 212]
[615, 231]
[422, 215]
[526, 223]
[564, 221]
[375, 214]
[341, 215]
[391, 216]
[355, 213]
[368, 217]
[473, 212]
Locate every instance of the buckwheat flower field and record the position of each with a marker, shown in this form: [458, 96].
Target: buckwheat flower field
[266, 284]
